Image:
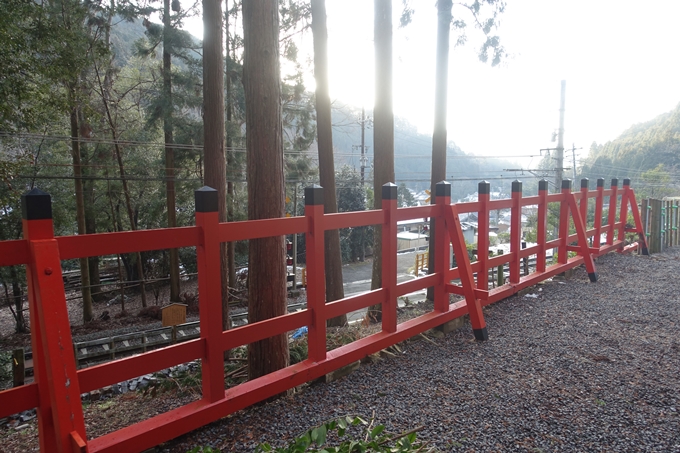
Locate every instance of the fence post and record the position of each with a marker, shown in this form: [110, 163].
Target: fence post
[655, 226]
[599, 202]
[60, 411]
[316, 277]
[562, 254]
[612, 211]
[484, 192]
[623, 215]
[542, 224]
[515, 230]
[442, 241]
[501, 272]
[389, 257]
[642, 238]
[583, 205]
[210, 293]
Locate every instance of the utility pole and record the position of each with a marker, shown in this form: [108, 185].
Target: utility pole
[573, 157]
[559, 154]
[363, 159]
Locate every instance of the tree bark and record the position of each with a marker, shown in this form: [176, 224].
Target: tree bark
[383, 130]
[332, 257]
[440, 113]
[215, 167]
[266, 194]
[80, 211]
[169, 150]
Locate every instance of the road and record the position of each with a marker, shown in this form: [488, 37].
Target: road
[357, 279]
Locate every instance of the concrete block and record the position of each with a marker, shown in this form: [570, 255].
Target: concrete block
[452, 325]
[340, 373]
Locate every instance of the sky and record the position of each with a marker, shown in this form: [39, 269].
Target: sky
[619, 60]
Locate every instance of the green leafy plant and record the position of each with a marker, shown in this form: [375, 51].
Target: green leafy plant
[375, 439]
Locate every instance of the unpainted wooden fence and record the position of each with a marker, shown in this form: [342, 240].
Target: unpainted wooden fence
[660, 219]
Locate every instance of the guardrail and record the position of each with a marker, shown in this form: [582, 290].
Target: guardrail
[58, 383]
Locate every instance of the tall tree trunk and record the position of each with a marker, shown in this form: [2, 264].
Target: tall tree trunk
[440, 110]
[266, 194]
[333, 258]
[231, 246]
[383, 130]
[169, 150]
[213, 127]
[80, 209]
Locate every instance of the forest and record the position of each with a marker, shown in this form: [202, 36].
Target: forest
[119, 113]
[647, 153]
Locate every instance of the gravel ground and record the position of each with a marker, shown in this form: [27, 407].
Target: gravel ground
[582, 367]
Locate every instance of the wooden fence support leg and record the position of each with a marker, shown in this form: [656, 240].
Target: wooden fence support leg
[642, 238]
[210, 294]
[60, 411]
[582, 238]
[464, 268]
[316, 277]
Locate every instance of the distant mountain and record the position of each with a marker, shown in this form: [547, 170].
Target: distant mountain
[642, 147]
[412, 154]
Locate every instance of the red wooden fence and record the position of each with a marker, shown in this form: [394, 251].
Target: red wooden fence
[58, 384]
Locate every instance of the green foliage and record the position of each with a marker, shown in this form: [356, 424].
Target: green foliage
[351, 196]
[373, 438]
[405, 197]
[504, 238]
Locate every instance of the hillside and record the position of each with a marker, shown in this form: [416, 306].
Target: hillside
[412, 154]
[641, 148]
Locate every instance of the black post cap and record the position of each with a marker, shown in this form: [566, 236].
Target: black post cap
[313, 195]
[626, 182]
[205, 199]
[442, 189]
[543, 184]
[584, 183]
[615, 182]
[516, 186]
[566, 184]
[600, 182]
[484, 188]
[36, 205]
[389, 191]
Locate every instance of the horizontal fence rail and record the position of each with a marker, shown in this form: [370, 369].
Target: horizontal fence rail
[59, 383]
